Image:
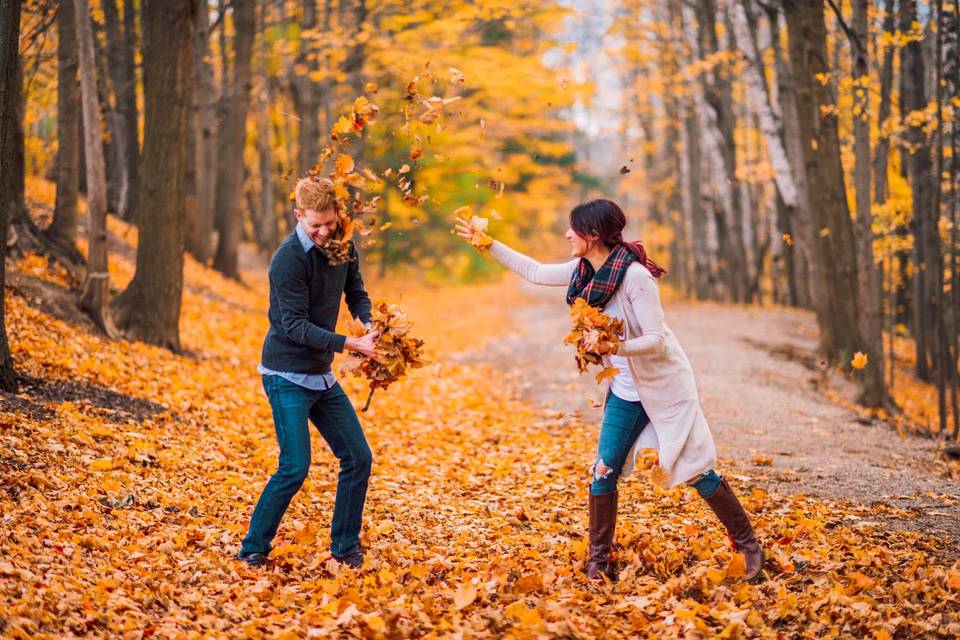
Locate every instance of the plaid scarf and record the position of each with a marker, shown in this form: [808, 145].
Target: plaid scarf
[598, 287]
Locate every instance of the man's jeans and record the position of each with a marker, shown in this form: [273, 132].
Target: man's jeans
[332, 413]
[623, 420]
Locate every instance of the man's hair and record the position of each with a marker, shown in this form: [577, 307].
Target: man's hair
[315, 193]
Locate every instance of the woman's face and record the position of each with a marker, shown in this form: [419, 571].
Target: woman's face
[579, 246]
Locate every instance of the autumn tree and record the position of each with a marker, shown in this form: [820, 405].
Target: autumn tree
[120, 52]
[95, 291]
[873, 391]
[204, 134]
[63, 229]
[834, 262]
[149, 309]
[231, 139]
[9, 97]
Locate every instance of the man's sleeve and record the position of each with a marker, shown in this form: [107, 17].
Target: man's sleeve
[357, 299]
[288, 278]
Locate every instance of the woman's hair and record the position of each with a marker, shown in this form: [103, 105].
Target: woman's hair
[315, 193]
[602, 218]
[605, 219]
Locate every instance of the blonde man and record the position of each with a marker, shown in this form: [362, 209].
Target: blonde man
[305, 294]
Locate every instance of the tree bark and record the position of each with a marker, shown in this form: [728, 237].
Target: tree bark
[834, 255]
[9, 122]
[95, 291]
[231, 139]
[797, 233]
[267, 233]
[305, 89]
[200, 235]
[126, 146]
[926, 244]
[62, 231]
[873, 392]
[882, 154]
[718, 95]
[149, 309]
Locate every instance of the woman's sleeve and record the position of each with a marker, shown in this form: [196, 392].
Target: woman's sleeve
[551, 275]
[643, 295]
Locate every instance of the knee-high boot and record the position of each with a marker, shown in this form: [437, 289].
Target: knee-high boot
[603, 524]
[725, 504]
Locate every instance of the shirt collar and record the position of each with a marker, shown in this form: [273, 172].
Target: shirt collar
[305, 240]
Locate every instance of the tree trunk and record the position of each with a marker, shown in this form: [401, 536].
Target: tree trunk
[62, 232]
[231, 139]
[200, 236]
[95, 291]
[719, 97]
[267, 234]
[9, 115]
[305, 89]
[797, 234]
[834, 256]
[926, 244]
[882, 154]
[873, 392]
[149, 309]
[120, 52]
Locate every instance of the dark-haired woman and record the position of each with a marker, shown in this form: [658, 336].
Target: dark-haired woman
[652, 402]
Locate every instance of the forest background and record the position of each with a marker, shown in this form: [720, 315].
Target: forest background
[770, 153]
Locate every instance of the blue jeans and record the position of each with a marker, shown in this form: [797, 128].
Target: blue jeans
[332, 413]
[623, 420]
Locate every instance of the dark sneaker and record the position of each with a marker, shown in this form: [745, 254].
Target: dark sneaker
[253, 559]
[352, 558]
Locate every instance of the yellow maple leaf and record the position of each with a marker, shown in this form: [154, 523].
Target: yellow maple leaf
[859, 360]
[464, 596]
[607, 373]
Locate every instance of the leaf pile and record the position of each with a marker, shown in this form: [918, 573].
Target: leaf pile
[591, 326]
[397, 351]
[476, 515]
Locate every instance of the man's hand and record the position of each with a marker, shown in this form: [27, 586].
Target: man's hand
[364, 345]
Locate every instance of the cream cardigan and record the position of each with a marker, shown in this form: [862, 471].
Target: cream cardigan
[659, 367]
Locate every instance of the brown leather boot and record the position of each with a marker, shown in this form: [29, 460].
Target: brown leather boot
[725, 504]
[603, 523]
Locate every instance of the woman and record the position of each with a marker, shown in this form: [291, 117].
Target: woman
[652, 402]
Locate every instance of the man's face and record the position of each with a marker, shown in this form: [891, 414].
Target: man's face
[319, 225]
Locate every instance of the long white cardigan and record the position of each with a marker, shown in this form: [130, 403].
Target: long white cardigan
[660, 369]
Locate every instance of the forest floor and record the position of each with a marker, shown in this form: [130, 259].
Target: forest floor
[128, 474]
[770, 406]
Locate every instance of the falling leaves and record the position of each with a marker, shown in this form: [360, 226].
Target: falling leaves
[859, 360]
[591, 327]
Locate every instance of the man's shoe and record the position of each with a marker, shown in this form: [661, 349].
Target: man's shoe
[352, 558]
[253, 559]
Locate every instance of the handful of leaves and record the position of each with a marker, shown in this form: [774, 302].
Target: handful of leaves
[478, 229]
[395, 349]
[591, 326]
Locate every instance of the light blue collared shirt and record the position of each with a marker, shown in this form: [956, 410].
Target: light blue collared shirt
[313, 381]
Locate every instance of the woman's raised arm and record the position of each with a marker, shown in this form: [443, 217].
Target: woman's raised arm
[551, 275]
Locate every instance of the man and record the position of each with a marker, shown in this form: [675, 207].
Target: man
[305, 292]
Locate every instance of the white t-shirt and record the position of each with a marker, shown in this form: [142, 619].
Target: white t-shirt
[621, 384]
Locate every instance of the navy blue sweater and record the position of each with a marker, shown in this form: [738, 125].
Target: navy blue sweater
[305, 293]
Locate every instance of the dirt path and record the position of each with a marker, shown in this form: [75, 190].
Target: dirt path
[774, 428]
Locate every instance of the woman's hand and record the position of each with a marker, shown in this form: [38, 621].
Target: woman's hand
[463, 228]
[605, 348]
[364, 344]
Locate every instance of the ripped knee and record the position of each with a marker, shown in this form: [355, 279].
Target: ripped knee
[600, 470]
